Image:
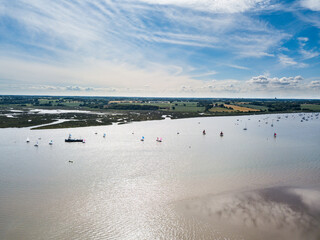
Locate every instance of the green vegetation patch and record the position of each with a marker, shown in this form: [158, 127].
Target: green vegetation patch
[311, 107]
[261, 108]
[186, 107]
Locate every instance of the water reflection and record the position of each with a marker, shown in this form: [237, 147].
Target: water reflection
[189, 186]
[272, 213]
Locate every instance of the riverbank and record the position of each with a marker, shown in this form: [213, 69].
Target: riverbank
[47, 119]
[41, 112]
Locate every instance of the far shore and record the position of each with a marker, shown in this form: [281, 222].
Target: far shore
[94, 118]
[51, 112]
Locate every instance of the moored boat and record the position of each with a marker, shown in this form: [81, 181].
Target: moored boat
[69, 139]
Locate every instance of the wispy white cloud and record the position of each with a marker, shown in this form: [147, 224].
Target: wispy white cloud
[312, 18]
[306, 54]
[124, 46]
[313, 5]
[206, 74]
[107, 28]
[237, 66]
[288, 61]
[217, 6]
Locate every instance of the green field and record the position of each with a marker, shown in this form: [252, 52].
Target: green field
[262, 108]
[173, 107]
[55, 102]
[186, 107]
[312, 107]
[160, 104]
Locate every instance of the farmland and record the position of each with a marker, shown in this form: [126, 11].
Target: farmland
[27, 111]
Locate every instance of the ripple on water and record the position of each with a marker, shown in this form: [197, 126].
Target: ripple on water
[189, 186]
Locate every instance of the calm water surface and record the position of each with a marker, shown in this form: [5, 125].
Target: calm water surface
[244, 185]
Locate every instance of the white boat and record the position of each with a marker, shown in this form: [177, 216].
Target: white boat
[28, 140]
[37, 144]
[51, 142]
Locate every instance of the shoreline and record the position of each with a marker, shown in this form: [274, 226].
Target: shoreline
[73, 119]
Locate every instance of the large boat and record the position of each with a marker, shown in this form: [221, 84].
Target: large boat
[69, 139]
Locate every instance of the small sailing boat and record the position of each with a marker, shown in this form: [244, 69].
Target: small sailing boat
[245, 127]
[37, 144]
[142, 139]
[275, 135]
[104, 135]
[204, 132]
[159, 139]
[28, 140]
[221, 134]
[51, 142]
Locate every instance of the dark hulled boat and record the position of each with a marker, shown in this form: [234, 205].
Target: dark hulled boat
[73, 140]
[69, 139]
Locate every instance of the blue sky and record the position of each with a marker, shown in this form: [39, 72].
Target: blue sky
[199, 48]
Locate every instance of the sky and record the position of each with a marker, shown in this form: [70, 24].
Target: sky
[168, 48]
